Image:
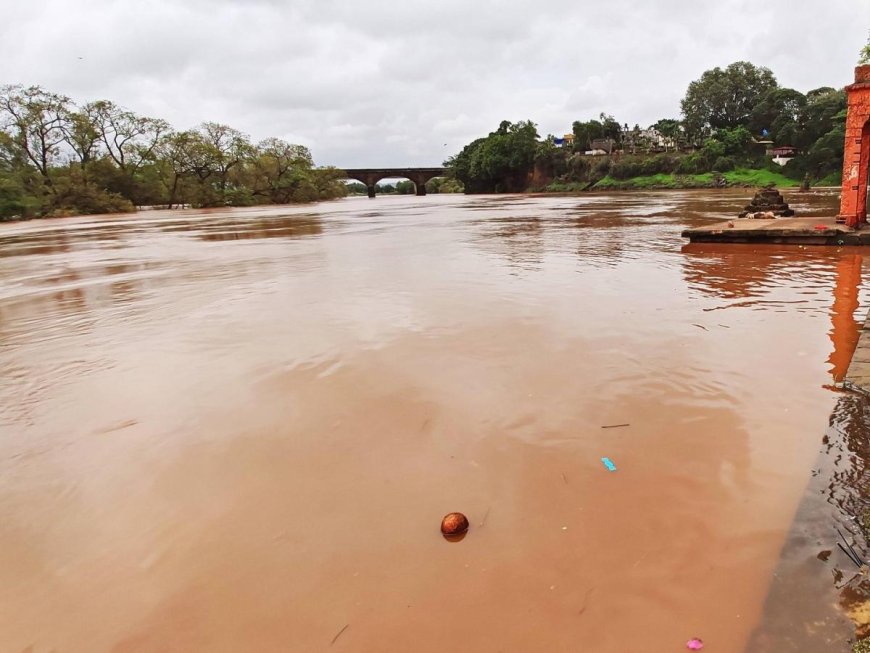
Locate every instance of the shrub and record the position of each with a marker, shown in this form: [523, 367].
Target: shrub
[724, 164]
[601, 167]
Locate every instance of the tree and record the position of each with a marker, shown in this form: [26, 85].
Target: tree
[820, 115]
[280, 168]
[20, 184]
[610, 128]
[585, 133]
[59, 159]
[442, 185]
[724, 99]
[405, 187]
[82, 136]
[501, 162]
[671, 129]
[864, 58]
[224, 149]
[778, 112]
[128, 138]
[37, 121]
[550, 161]
[175, 155]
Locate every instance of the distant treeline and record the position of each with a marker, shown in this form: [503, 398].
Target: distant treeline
[730, 118]
[57, 158]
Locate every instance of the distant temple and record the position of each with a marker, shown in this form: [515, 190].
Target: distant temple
[856, 157]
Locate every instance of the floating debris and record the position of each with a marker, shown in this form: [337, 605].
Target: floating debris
[615, 426]
[695, 644]
[850, 553]
[340, 633]
[609, 464]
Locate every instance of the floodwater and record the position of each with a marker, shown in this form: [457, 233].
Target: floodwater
[238, 430]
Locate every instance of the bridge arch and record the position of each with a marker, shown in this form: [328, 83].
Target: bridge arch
[371, 176]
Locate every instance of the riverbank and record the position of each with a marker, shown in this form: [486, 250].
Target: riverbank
[741, 177]
[816, 576]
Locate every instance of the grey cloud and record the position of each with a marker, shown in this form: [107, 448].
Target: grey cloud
[384, 83]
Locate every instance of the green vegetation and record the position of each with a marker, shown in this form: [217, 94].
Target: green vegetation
[656, 181]
[724, 99]
[738, 177]
[730, 118]
[500, 162]
[862, 646]
[57, 158]
[444, 185]
[761, 177]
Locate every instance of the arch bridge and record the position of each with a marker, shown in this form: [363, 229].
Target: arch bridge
[371, 176]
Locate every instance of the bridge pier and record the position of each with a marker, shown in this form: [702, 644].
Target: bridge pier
[421, 188]
[371, 189]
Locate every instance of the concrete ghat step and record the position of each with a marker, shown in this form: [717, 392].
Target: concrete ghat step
[797, 231]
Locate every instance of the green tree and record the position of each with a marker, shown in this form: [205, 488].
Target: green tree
[280, 169]
[405, 187]
[824, 110]
[724, 99]
[129, 139]
[218, 150]
[501, 162]
[174, 154]
[550, 160]
[779, 112]
[37, 121]
[444, 185]
[20, 184]
[585, 133]
[357, 188]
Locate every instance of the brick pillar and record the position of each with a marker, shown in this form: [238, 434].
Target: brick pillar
[856, 158]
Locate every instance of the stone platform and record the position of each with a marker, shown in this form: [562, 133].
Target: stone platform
[790, 231]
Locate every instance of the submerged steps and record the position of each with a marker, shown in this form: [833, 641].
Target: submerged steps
[858, 374]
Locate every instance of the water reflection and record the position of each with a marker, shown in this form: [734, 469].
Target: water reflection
[845, 329]
[732, 271]
[290, 227]
[520, 241]
[25, 245]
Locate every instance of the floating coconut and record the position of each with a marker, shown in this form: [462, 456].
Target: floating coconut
[454, 524]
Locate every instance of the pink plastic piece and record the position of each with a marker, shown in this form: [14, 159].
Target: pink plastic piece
[694, 644]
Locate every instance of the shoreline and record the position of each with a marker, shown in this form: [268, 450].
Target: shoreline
[834, 499]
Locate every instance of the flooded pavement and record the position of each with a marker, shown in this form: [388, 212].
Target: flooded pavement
[240, 429]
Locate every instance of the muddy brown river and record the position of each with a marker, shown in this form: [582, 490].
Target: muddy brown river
[238, 430]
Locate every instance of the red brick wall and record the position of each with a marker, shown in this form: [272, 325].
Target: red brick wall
[856, 160]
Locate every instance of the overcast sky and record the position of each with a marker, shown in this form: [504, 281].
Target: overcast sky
[385, 83]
